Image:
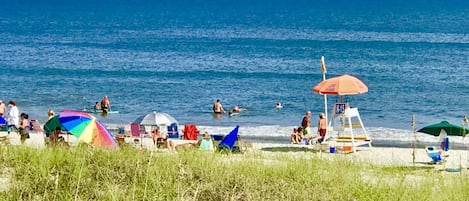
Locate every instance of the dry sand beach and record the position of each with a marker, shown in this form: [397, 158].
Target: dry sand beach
[380, 156]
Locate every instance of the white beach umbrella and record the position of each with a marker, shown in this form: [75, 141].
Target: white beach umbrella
[155, 119]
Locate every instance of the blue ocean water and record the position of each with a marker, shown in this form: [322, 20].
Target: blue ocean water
[180, 56]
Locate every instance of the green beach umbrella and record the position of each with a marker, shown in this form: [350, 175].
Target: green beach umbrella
[51, 124]
[451, 129]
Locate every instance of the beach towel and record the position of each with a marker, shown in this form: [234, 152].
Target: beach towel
[190, 132]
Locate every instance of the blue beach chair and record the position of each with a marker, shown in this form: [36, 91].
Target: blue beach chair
[173, 131]
[3, 124]
[228, 142]
[433, 153]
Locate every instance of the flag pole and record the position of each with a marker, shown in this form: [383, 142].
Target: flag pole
[324, 71]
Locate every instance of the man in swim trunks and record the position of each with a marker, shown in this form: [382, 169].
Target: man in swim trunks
[105, 104]
[322, 126]
[218, 107]
[306, 123]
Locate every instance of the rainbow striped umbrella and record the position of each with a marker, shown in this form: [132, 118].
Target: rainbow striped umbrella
[87, 128]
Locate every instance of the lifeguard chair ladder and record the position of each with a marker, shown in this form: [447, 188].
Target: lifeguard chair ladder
[341, 121]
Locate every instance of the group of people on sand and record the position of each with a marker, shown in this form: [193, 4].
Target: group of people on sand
[104, 105]
[303, 134]
[14, 120]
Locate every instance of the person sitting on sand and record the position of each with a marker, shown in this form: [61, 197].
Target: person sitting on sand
[62, 143]
[206, 143]
[295, 137]
[305, 138]
[159, 138]
[54, 136]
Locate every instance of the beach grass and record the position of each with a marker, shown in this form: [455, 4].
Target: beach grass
[83, 173]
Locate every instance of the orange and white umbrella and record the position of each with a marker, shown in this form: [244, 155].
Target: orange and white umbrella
[341, 85]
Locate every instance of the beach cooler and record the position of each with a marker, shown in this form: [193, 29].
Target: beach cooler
[218, 137]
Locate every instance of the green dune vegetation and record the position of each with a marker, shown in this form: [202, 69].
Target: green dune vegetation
[83, 173]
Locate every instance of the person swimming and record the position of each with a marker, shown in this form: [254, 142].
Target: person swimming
[278, 106]
[236, 109]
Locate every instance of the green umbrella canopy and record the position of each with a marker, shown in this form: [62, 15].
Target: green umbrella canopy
[53, 123]
[451, 129]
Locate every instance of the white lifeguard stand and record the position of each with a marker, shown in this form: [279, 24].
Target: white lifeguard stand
[350, 132]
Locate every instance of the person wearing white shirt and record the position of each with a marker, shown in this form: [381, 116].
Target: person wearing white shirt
[13, 116]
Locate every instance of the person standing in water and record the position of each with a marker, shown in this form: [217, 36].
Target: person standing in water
[105, 104]
[218, 107]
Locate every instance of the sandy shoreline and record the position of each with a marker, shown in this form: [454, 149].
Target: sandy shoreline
[382, 156]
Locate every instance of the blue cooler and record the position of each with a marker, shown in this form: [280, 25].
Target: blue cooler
[331, 149]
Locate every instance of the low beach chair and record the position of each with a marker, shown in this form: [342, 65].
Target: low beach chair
[3, 124]
[35, 126]
[137, 132]
[433, 153]
[228, 142]
[173, 131]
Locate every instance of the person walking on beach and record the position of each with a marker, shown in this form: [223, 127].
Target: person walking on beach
[218, 107]
[322, 126]
[3, 110]
[13, 116]
[23, 127]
